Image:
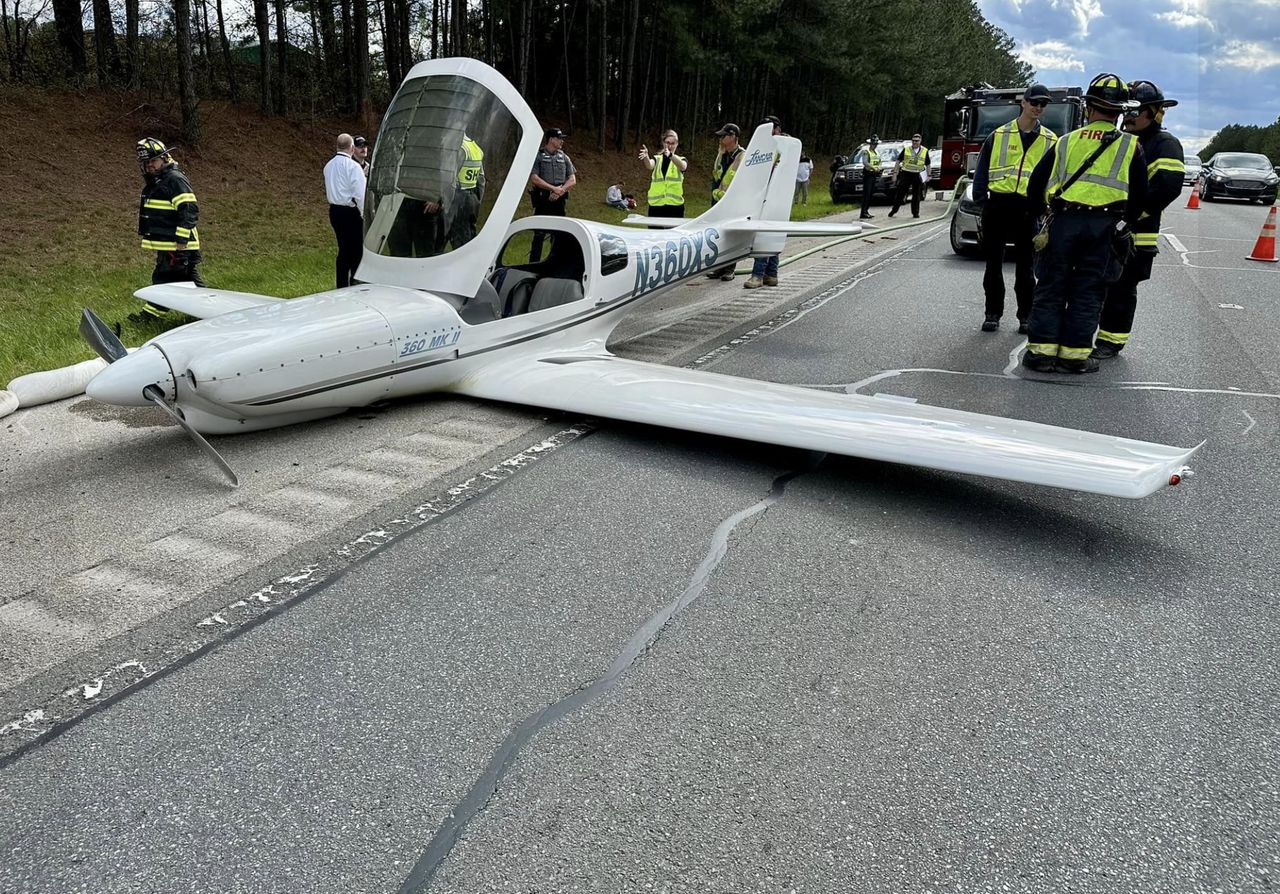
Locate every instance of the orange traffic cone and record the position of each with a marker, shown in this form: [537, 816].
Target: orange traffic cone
[1194, 201]
[1265, 249]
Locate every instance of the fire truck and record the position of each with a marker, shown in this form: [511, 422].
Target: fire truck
[972, 113]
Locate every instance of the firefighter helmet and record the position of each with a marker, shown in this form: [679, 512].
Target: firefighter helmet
[1145, 93]
[1107, 91]
[873, 140]
[149, 148]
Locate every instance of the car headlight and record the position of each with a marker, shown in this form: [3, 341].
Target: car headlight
[1217, 175]
[1272, 178]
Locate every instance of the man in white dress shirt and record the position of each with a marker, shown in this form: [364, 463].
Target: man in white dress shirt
[344, 183]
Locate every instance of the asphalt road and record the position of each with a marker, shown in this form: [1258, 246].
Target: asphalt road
[656, 662]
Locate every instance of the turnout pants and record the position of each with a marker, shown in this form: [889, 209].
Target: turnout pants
[347, 226]
[1121, 301]
[1005, 219]
[908, 183]
[177, 266]
[1071, 274]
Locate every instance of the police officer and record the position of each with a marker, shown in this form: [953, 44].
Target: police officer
[167, 215]
[468, 192]
[1000, 180]
[723, 170]
[913, 161]
[1165, 170]
[552, 178]
[1095, 181]
[870, 176]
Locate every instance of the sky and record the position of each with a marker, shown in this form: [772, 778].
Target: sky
[1219, 58]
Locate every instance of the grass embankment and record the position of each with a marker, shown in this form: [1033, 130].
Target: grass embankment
[70, 240]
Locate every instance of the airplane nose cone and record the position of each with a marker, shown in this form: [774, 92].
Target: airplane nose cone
[122, 382]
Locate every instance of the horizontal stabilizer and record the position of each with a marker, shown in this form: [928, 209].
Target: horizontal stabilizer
[846, 424]
[792, 227]
[199, 301]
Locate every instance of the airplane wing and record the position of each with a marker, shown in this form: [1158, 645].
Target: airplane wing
[201, 302]
[878, 428]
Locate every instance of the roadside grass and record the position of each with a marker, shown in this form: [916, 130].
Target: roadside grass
[252, 242]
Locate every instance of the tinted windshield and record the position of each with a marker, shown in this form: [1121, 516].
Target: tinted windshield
[1243, 160]
[1192, 160]
[1059, 117]
[443, 153]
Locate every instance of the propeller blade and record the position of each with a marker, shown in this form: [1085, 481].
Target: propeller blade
[100, 337]
[156, 396]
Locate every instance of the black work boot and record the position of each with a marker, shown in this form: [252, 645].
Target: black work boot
[991, 323]
[1041, 363]
[1105, 350]
[1077, 367]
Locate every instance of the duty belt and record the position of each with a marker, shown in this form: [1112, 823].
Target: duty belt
[1060, 206]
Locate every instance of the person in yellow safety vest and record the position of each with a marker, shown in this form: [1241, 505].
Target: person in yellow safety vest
[666, 177]
[167, 216]
[1005, 164]
[1095, 182]
[1165, 172]
[912, 163]
[722, 173]
[870, 175]
[468, 193]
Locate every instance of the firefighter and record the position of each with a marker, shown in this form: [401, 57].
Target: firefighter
[167, 217]
[1000, 180]
[870, 175]
[1165, 170]
[1095, 182]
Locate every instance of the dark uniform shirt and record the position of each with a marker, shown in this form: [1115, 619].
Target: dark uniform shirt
[167, 211]
[1163, 185]
[553, 167]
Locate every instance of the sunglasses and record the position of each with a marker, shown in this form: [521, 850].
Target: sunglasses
[1039, 103]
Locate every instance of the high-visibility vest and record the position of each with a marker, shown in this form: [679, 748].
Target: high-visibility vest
[471, 168]
[872, 162]
[1010, 166]
[1106, 182]
[913, 159]
[723, 173]
[666, 190]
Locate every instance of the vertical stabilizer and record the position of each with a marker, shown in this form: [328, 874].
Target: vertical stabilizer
[777, 201]
[746, 194]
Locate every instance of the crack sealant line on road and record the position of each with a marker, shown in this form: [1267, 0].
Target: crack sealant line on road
[640, 643]
[42, 724]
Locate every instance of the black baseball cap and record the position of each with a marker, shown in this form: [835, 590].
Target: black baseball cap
[1037, 91]
[361, 141]
[727, 130]
[772, 119]
[552, 132]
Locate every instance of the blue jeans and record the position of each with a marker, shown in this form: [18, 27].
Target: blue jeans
[765, 266]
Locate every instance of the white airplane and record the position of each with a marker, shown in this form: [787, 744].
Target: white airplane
[440, 309]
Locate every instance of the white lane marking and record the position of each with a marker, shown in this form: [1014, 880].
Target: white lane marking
[1014, 357]
[1252, 423]
[1198, 236]
[1173, 240]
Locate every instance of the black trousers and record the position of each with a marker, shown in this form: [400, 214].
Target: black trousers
[1071, 283]
[1121, 301]
[543, 205]
[347, 226]
[908, 182]
[1006, 219]
[177, 266]
[868, 189]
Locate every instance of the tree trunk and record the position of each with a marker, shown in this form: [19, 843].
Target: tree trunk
[391, 44]
[206, 45]
[602, 84]
[232, 85]
[346, 95]
[263, 21]
[104, 43]
[460, 27]
[362, 60]
[644, 90]
[329, 59]
[403, 32]
[186, 83]
[524, 36]
[282, 58]
[624, 99]
[70, 29]
[133, 72]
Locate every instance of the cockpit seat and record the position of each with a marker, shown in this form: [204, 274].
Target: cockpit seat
[552, 292]
[514, 287]
[485, 307]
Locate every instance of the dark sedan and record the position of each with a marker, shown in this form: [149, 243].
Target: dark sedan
[1239, 175]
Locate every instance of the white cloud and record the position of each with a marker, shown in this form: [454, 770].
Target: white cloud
[1187, 14]
[1252, 55]
[1083, 11]
[1050, 54]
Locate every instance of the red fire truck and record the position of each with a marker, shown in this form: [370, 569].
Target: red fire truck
[972, 113]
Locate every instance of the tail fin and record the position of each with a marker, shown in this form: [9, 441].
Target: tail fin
[745, 196]
[777, 200]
